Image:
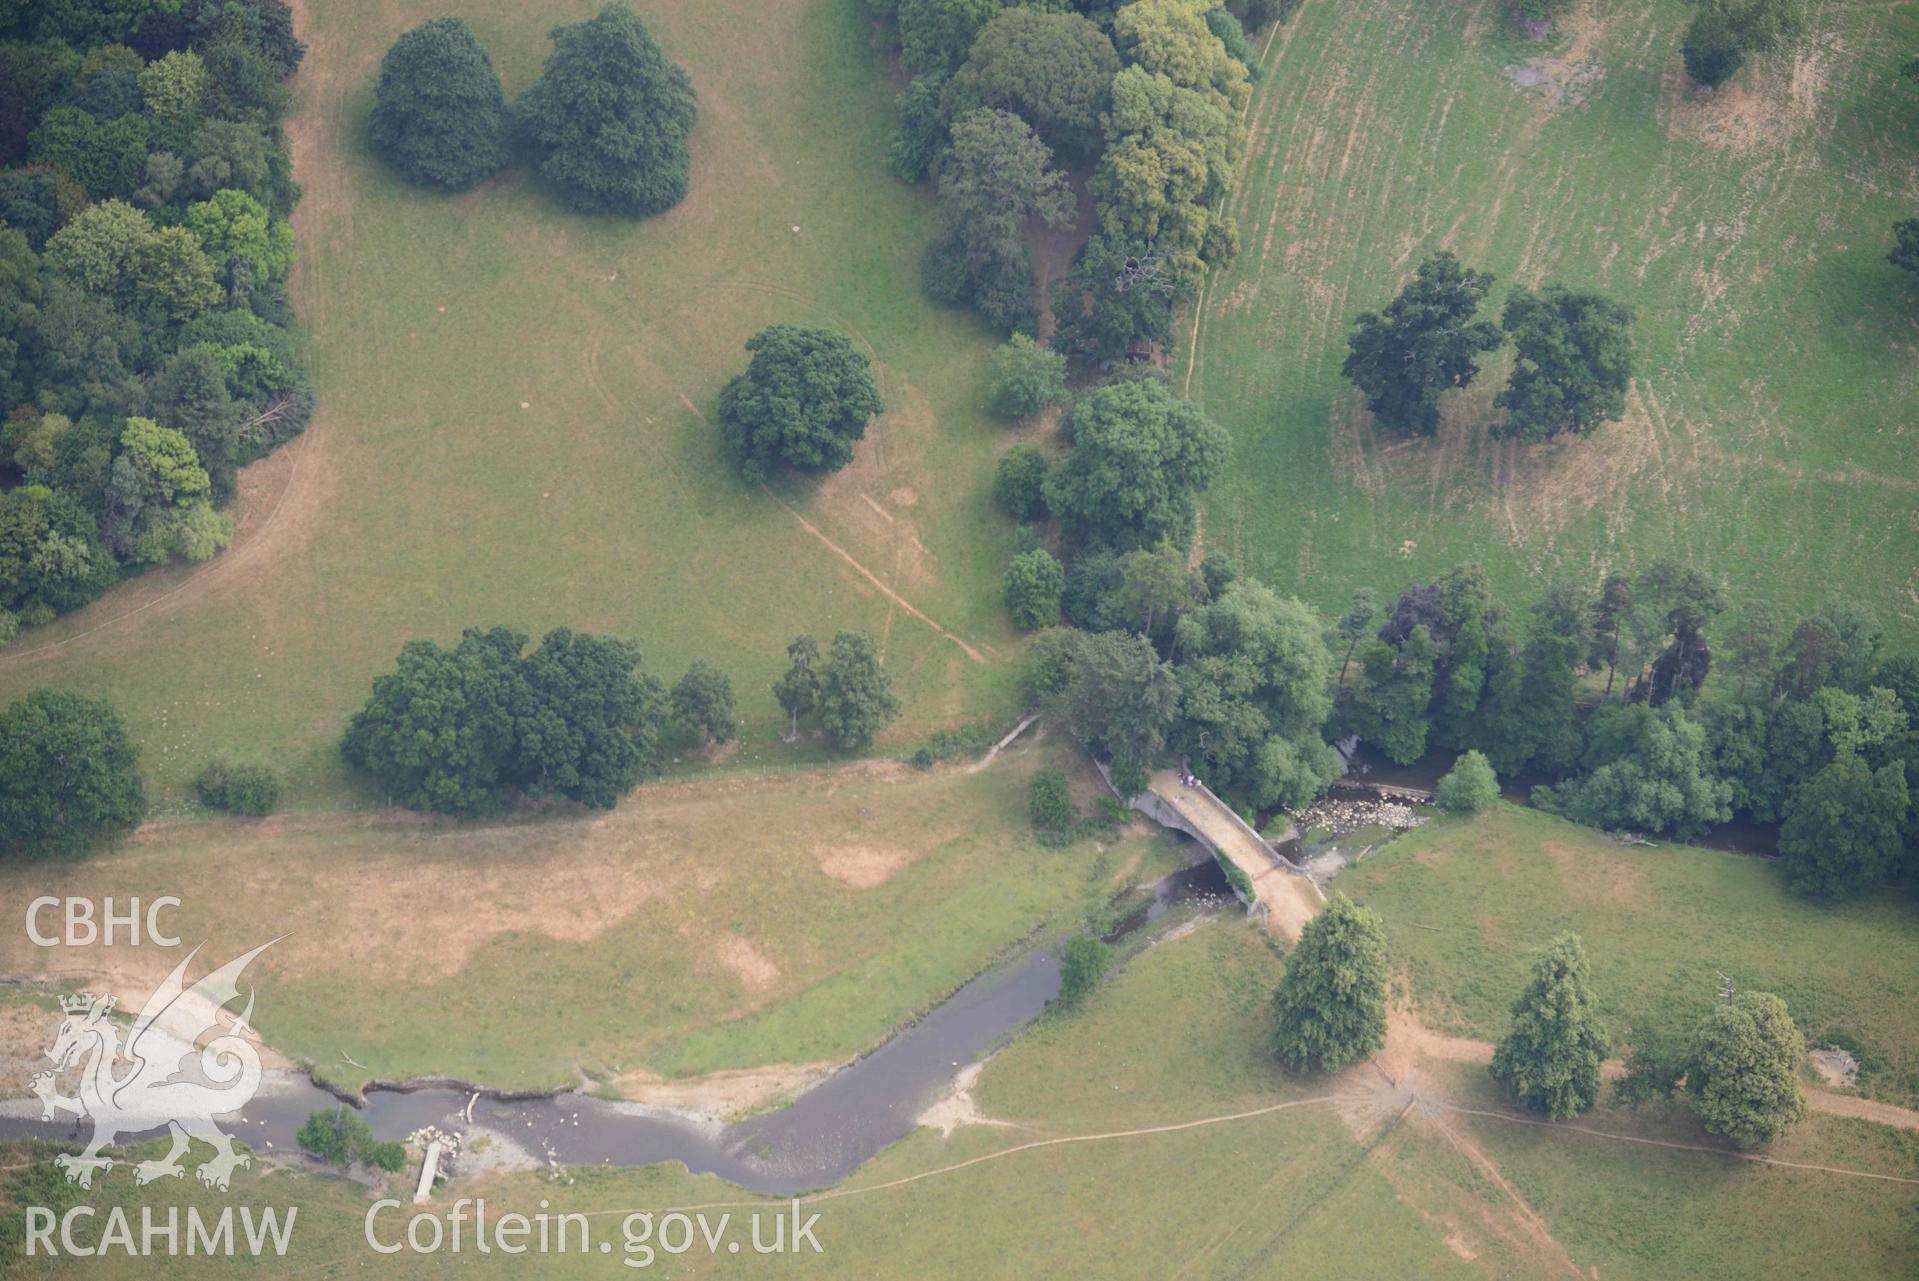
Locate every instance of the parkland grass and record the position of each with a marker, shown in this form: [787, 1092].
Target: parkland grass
[1312, 1190]
[513, 419]
[1469, 902]
[1769, 434]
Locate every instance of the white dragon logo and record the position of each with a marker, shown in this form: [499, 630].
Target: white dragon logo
[169, 1080]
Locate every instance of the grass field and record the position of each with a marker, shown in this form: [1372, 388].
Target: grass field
[1660, 925]
[1360, 1190]
[719, 924]
[1770, 433]
[426, 498]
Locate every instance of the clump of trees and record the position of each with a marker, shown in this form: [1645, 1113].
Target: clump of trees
[339, 1137]
[1330, 1008]
[846, 691]
[1141, 458]
[69, 775]
[439, 114]
[702, 706]
[1573, 353]
[608, 118]
[804, 399]
[144, 248]
[460, 730]
[1148, 95]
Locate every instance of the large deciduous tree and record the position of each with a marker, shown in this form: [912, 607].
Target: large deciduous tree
[1573, 362]
[1549, 1062]
[1647, 771]
[855, 699]
[1844, 827]
[68, 774]
[1744, 1070]
[439, 115]
[1032, 589]
[1389, 709]
[1141, 458]
[1111, 691]
[935, 35]
[1053, 70]
[805, 397]
[609, 116]
[1724, 33]
[1255, 682]
[703, 705]
[1425, 342]
[1330, 1009]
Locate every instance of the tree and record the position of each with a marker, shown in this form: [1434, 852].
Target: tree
[1330, 1009]
[1025, 377]
[591, 721]
[1355, 623]
[1053, 70]
[996, 175]
[1549, 1062]
[439, 115]
[936, 34]
[1032, 589]
[1255, 682]
[233, 225]
[1611, 608]
[1529, 720]
[1019, 483]
[1648, 771]
[174, 89]
[1172, 155]
[798, 691]
[920, 138]
[1905, 245]
[1389, 710]
[1111, 692]
[1048, 801]
[855, 700]
[703, 705]
[1844, 827]
[438, 732]
[1725, 33]
[609, 116]
[189, 394]
[1744, 1070]
[68, 774]
[1573, 362]
[1141, 458]
[1083, 963]
[1425, 342]
[253, 790]
[1469, 786]
[805, 397]
[1750, 645]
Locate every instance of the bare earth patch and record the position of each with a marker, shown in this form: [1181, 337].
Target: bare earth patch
[863, 867]
[746, 962]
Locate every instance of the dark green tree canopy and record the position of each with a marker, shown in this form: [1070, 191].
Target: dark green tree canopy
[67, 774]
[1905, 245]
[805, 397]
[1118, 297]
[439, 115]
[1725, 32]
[995, 176]
[1388, 708]
[1574, 362]
[1019, 483]
[855, 699]
[1844, 827]
[1330, 1009]
[1110, 690]
[703, 705]
[1032, 589]
[1647, 771]
[457, 730]
[936, 34]
[1425, 342]
[1025, 378]
[609, 117]
[1549, 1062]
[1053, 70]
[1744, 1070]
[1141, 458]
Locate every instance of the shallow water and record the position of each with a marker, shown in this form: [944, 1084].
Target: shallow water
[819, 1138]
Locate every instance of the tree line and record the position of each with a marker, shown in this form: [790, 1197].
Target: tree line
[144, 249]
